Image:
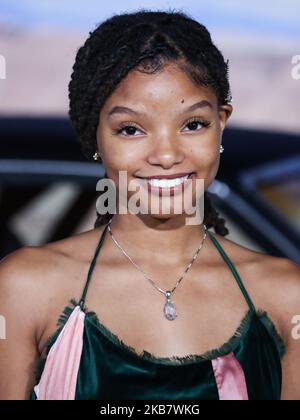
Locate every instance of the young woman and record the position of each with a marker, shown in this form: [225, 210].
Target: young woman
[175, 310]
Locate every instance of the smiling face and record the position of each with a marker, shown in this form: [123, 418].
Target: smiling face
[161, 124]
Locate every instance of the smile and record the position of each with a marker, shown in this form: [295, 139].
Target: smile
[167, 183]
[172, 186]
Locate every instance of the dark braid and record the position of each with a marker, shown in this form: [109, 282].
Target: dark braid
[211, 216]
[144, 40]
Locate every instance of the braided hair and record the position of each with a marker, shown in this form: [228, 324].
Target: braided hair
[143, 40]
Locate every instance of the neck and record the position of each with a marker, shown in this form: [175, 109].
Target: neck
[157, 240]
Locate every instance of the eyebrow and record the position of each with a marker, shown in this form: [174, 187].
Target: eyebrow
[125, 110]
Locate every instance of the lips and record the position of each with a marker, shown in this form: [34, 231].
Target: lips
[180, 175]
[172, 190]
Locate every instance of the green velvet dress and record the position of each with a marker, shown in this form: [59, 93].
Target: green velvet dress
[246, 367]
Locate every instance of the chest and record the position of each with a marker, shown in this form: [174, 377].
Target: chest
[129, 306]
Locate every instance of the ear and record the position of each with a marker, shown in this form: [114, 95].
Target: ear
[224, 113]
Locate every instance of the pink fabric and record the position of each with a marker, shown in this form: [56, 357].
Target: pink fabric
[230, 378]
[59, 378]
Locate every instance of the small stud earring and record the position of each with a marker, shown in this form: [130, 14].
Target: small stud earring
[96, 156]
[221, 149]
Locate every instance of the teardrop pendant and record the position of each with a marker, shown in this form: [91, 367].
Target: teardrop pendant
[170, 308]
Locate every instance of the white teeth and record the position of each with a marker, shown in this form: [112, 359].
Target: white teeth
[167, 183]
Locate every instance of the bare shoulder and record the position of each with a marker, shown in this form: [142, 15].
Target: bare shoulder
[273, 283]
[262, 268]
[27, 268]
[36, 281]
[27, 282]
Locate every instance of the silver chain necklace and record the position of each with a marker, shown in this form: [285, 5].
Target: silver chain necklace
[170, 311]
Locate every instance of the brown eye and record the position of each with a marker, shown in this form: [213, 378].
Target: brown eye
[127, 130]
[193, 124]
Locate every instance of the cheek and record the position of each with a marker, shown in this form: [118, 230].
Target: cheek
[121, 161]
[116, 154]
[117, 150]
[206, 147]
[206, 163]
[211, 170]
[206, 155]
[117, 161]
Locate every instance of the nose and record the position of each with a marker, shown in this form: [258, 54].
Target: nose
[166, 151]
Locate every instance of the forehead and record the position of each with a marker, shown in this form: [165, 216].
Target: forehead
[170, 86]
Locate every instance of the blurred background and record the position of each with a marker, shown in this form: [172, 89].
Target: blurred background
[48, 189]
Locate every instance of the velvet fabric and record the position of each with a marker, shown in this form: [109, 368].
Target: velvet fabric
[109, 369]
[101, 367]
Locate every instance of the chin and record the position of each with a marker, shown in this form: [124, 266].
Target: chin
[163, 217]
